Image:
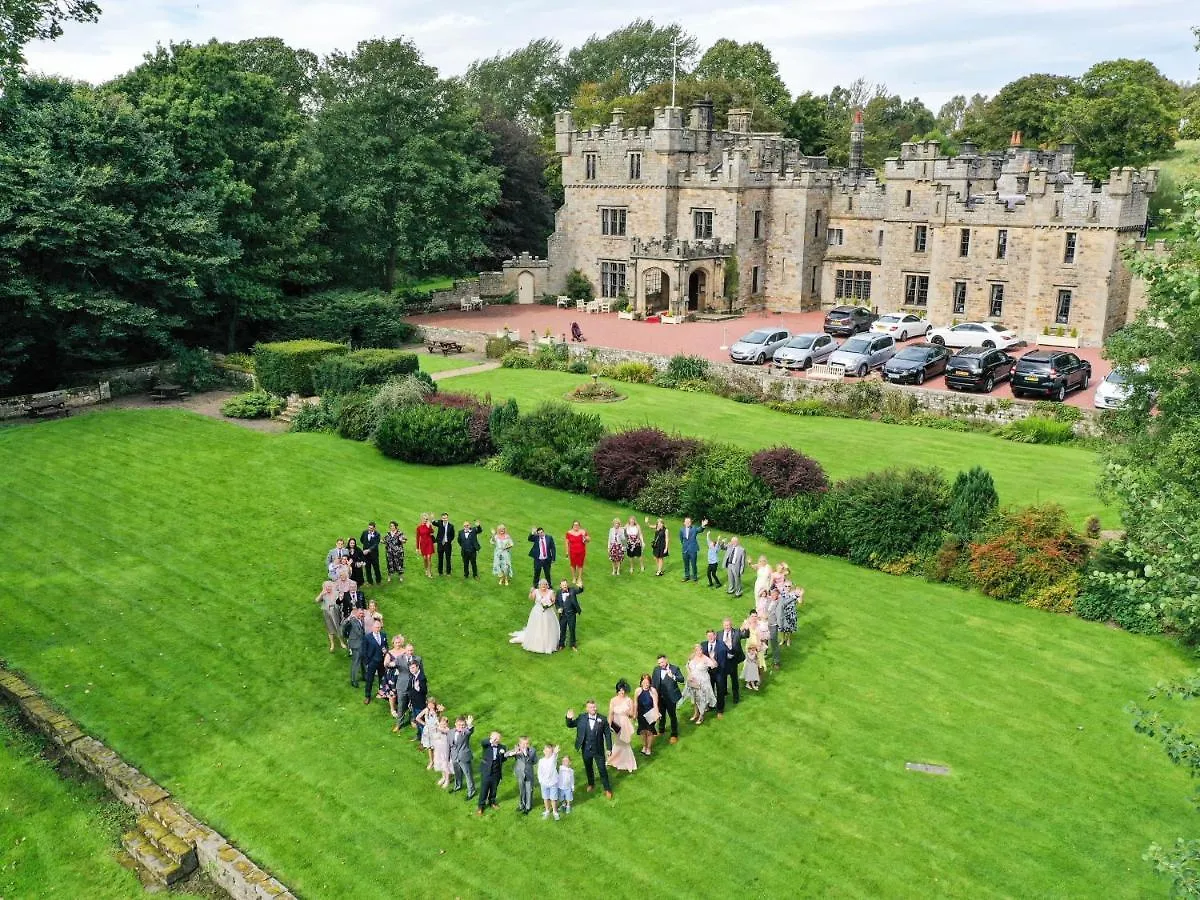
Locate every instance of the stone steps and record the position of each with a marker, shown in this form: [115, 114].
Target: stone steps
[294, 405]
[156, 853]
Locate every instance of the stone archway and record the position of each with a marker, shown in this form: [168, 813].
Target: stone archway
[525, 287]
[697, 297]
[656, 290]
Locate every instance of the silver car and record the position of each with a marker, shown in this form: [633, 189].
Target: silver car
[803, 351]
[759, 346]
[864, 352]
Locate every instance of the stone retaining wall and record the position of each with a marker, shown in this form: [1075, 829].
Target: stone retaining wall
[224, 863]
[952, 404]
[15, 407]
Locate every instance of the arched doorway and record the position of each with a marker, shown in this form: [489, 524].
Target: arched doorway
[697, 291]
[525, 287]
[656, 288]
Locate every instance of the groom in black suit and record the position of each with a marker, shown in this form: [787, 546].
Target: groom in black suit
[542, 554]
[593, 739]
[666, 680]
[566, 599]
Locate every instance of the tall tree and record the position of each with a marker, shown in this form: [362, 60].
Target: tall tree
[293, 71]
[639, 55]
[524, 217]
[405, 174]
[952, 114]
[1033, 105]
[1123, 113]
[23, 21]
[104, 244]
[237, 136]
[527, 86]
[805, 121]
[750, 64]
[591, 107]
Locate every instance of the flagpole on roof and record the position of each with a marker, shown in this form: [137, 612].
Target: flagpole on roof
[674, 64]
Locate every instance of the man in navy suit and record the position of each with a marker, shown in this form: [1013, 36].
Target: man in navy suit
[374, 645]
[689, 541]
[443, 540]
[542, 553]
[716, 650]
[732, 639]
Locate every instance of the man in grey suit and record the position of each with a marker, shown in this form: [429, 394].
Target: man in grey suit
[523, 769]
[735, 565]
[353, 632]
[460, 755]
[774, 620]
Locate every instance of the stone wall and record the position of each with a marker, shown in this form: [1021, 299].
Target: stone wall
[15, 407]
[236, 873]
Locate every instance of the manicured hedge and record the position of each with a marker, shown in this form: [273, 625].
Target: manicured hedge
[720, 487]
[427, 433]
[347, 373]
[625, 460]
[285, 367]
[553, 446]
[357, 318]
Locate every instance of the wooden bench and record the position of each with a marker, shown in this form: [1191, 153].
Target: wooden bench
[168, 392]
[823, 372]
[444, 347]
[47, 409]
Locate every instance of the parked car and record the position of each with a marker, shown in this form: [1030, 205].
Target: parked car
[901, 326]
[1050, 373]
[759, 346]
[915, 363]
[1115, 390]
[978, 368]
[975, 334]
[803, 351]
[847, 320]
[864, 352]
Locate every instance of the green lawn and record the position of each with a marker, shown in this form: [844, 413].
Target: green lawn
[1177, 168]
[167, 565]
[58, 838]
[436, 362]
[1024, 473]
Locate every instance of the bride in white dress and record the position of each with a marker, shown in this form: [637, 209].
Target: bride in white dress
[541, 631]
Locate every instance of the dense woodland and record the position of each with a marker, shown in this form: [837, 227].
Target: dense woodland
[197, 198]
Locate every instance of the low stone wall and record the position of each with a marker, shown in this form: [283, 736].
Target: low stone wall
[953, 404]
[15, 407]
[235, 872]
[488, 285]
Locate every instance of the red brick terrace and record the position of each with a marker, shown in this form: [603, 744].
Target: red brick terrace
[697, 338]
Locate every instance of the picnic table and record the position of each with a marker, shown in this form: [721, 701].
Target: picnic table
[47, 409]
[445, 347]
[167, 391]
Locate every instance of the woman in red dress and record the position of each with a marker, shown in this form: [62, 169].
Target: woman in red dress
[425, 543]
[577, 539]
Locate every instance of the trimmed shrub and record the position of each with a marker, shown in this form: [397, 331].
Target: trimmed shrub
[882, 516]
[720, 487]
[503, 417]
[578, 287]
[1036, 430]
[661, 495]
[1024, 551]
[624, 461]
[632, 372]
[313, 417]
[426, 379]
[577, 367]
[973, 499]
[286, 367]
[356, 318]
[1058, 597]
[517, 359]
[195, 370]
[429, 433]
[800, 522]
[253, 405]
[346, 374]
[687, 368]
[356, 417]
[788, 472]
[497, 347]
[739, 387]
[553, 446]
[398, 392]
[479, 416]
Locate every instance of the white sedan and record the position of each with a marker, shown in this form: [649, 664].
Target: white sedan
[901, 326]
[975, 334]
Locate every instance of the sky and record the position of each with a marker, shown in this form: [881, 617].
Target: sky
[921, 48]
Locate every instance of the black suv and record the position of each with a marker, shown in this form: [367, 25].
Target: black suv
[978, 368]
[1050, 373]
[848, 320]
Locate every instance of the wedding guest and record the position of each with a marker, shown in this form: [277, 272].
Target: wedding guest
[393, 548]
[790, 597]
[502, 544]
[491, 769]
[763, 573]
[402, 708]
[333, 559]
[727, 677]
[370, 540]
[460, 755]
[716, 547]
[621, 712]
[391, 662]
[566, 784]
[659, 545]
[634, 544]
[358, 563]
[666, 681]
[468, 545]
[419, 699]
[542, 553]
[577, 540]
[750, 672]
[331, 613]
[443, 539]
[547, 776]
[689, 546]
[346, 591]
[773, 620]
[441, 750]
[425, 544]
[374, 645]
[372, 611]
[616, 546]
[425, 722]
[735, 565]
[699, 687]
[593, 739]
[566, 600]
[524, 770]
[352, 631]
[646, 701]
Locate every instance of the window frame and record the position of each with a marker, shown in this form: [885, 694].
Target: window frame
[1059, 317]
[613, 278]
[591, 165]
[921, 239]
[635, 166]
[964, 243]
[612, 224]
[996, 296]
[1070, 248]
[702, 220]
[852, 284]
[916, 289]
[1001, 243]
[830, 234]
[755, 279]
[758, 224]
[958, 298]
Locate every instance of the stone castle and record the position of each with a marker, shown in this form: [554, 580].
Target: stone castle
[682, 218]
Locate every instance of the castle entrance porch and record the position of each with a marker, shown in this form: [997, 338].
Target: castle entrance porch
[656, 291]
[698, 291]
[679, 277]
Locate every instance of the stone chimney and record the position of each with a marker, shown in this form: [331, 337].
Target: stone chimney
[968, 149]
[702, 115]
[1016, 140]
[857, 134]
[739, 120]
[618, 117]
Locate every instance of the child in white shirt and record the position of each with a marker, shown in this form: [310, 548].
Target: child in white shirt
[547, 775]
[566, 784]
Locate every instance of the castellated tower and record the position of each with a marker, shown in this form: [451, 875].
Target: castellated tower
[857, 131]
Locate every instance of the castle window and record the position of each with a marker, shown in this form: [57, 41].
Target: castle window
[835, 237]
[1069, 247]
[996, 306]
[1062, 309]
[852, 284]
[612, 279]
[812, 280]
[908, 198]
[589, 166]
[879, 238]
[612, 221]
[850, 204]
[702, 223]
[755, 281]
[1002, 243]
[757, 224]
[964, 242]
[960, 298]
[916, 290]
[1094, 210]
[635, 166]
[1057, 209]
[920, 238]
[817, 225]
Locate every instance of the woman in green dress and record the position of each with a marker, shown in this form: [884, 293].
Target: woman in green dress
[502, 543]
